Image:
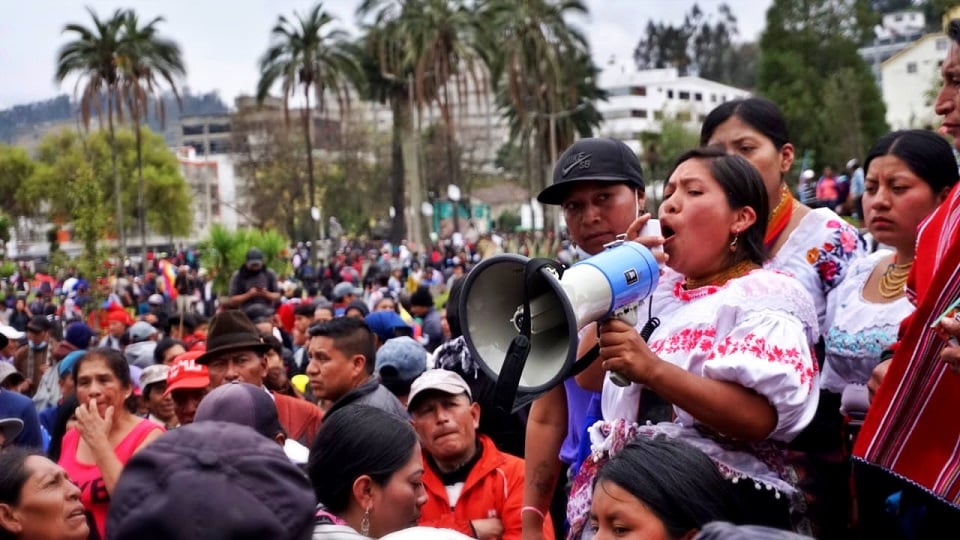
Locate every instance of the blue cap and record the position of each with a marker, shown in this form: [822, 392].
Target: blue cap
[384, 324]
[69, 361]
[406, 357]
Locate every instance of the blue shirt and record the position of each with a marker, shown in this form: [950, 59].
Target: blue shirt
[14, 405]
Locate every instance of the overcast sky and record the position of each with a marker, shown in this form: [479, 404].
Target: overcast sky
[222, 39]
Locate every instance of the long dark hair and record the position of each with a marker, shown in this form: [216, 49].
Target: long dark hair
[759, 113]
[678, 482]
[926, 154]
[743, 186]
[114, 360]
[354, 441]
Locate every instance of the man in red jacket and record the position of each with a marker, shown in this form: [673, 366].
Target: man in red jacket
[472, 487]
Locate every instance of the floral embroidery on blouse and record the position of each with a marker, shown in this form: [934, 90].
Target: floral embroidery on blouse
[757, 347]
[686, 340]
[702, 340]
[831, 259]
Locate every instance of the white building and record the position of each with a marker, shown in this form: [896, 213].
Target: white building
[639, 100]
[895, 32]
[213, 186]
[909, 77]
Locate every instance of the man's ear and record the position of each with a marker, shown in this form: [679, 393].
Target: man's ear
[9, 519]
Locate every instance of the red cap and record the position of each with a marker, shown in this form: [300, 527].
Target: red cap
[120, 316]
[187, 373]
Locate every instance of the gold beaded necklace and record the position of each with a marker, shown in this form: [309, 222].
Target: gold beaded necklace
[740, 269]
[893, 279]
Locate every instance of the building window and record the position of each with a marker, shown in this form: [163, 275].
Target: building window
[638, 113]
[684, 96]
[702, 118]
[698, 97]
[942, 44]
[638, 91]
[658, 115]
[911, 67]
[193, 130]
[219, 128]
[619, 91]
[683, 116]
[713, 98]
[219, 147]
[669, 94]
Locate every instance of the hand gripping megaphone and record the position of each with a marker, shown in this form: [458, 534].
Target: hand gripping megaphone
[521, 317]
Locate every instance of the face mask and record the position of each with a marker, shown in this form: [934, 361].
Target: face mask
[38, 346]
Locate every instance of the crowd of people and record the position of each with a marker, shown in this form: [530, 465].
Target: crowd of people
[799, 382]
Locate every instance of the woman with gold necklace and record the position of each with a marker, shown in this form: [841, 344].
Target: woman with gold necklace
[815, 246]
[733, 351]
[908, 174]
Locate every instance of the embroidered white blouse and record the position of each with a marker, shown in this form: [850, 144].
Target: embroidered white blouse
[818, 253]
[757, 331]
[858, 330]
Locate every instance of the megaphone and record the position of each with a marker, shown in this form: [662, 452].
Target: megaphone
[521, 317]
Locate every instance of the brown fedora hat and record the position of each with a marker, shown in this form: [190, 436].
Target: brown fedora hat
[231, 330]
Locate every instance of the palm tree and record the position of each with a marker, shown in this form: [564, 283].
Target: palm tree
[306, 53]
[542, 74]
[148, 60]
[426, 46]
[93, 57]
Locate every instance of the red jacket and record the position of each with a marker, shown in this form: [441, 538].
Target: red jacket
[301, 419]
[494, 489]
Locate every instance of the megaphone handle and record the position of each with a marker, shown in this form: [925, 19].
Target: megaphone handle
[627, 314]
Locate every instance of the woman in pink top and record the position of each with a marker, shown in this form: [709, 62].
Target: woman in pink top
[107, 433]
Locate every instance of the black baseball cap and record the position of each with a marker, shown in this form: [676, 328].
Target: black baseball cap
[595, 160]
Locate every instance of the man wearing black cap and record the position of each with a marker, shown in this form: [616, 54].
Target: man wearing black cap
[35, 357]
[253, 283]
[598, 183]
[236, 352]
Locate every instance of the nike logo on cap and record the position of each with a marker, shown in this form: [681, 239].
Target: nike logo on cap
[581, 159]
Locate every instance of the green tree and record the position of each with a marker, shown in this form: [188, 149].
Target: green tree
[88, 217]
[702, 43]
[387, 80]
[16, 167]
[271, 157]
[309, 55]
[150, 60]
[810, 67]
[63, 156]
[224, 251]
[95, 56]
[545, 81]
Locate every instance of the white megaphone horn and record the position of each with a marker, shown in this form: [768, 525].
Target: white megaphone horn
[521, 318]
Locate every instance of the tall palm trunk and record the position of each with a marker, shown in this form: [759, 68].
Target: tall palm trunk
[141, 206]
[452, 165]
[311, 187]
[411, 171]
[121, 235]
[398, 225]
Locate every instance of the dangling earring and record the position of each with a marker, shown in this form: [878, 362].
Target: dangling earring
[733, 245]
[365, 523]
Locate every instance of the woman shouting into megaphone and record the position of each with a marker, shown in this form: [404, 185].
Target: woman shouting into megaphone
[733, 353]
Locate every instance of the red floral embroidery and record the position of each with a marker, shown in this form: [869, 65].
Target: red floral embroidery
[686, 340]
[757, 346]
